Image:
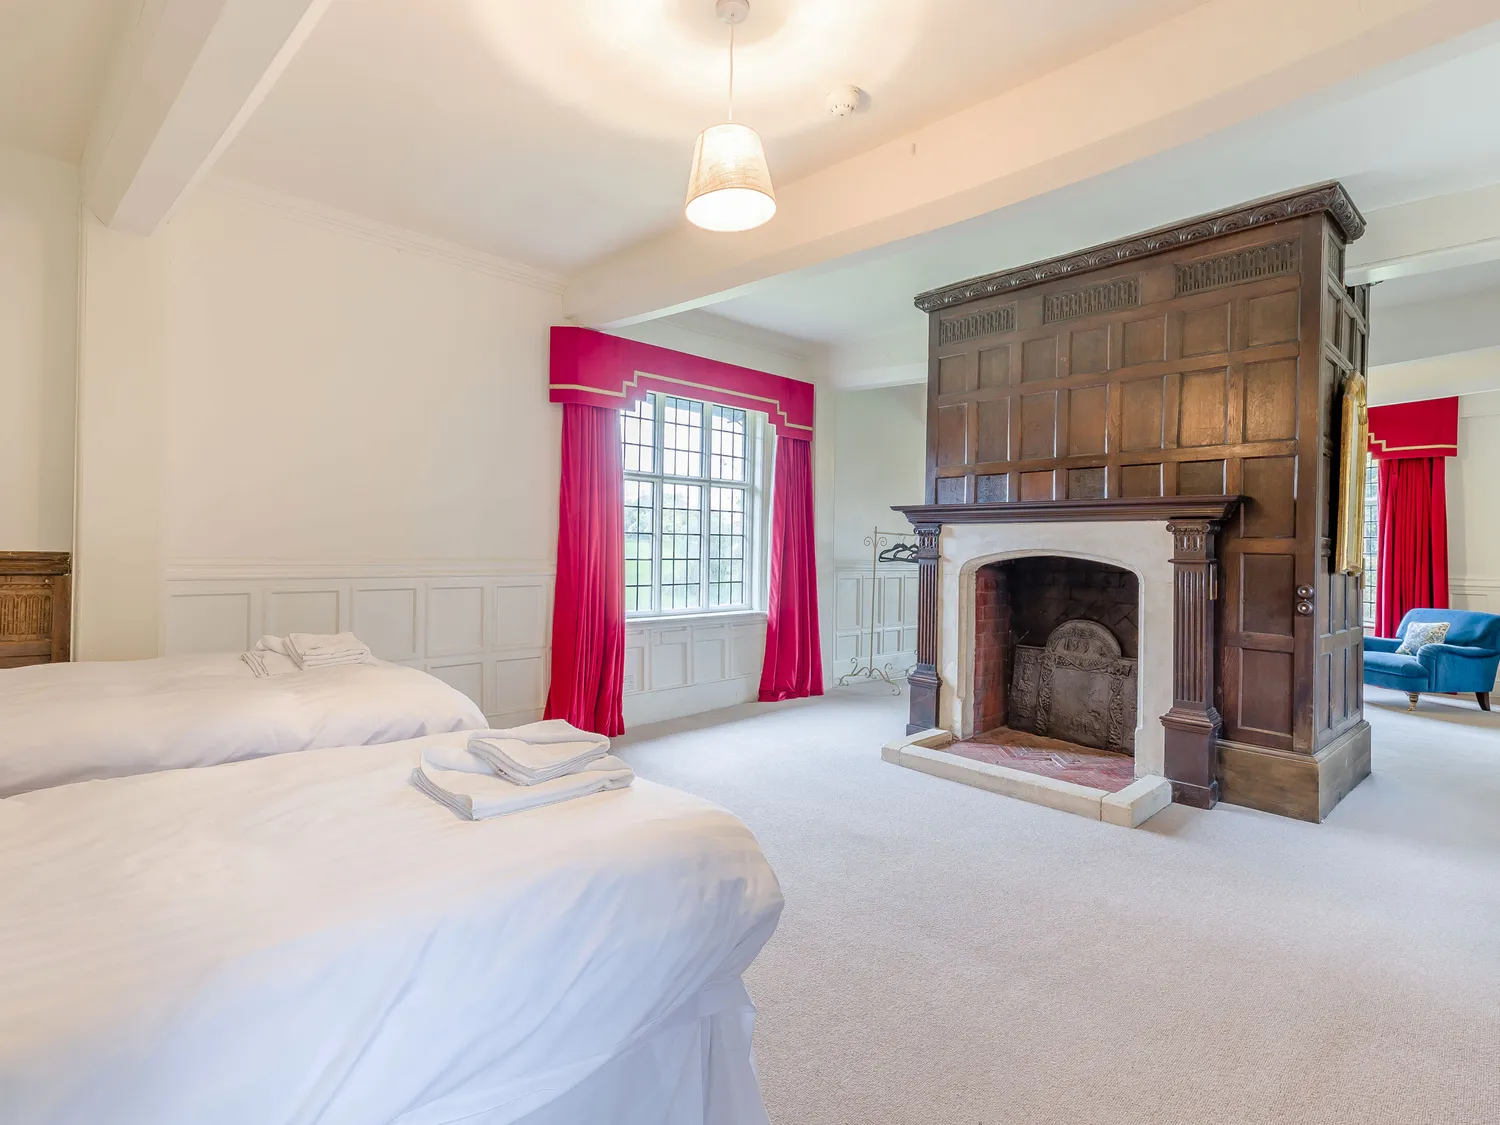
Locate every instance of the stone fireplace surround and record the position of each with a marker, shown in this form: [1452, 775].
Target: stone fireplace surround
[1169, 544]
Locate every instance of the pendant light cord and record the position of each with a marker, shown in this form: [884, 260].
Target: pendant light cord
[731, 72]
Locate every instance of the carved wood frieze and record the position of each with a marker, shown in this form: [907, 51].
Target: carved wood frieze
[1121, 293]
[1254, 264]
[984, 322]
[1330, 198]
[25, 611]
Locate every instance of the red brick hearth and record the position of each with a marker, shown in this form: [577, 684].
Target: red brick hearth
[1049, 757]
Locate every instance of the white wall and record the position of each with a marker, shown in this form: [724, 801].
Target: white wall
[293, 419]
[122, 360]
[1473, 529]
[334, 397]
[38, 332]
[879, 458]
[880, 454]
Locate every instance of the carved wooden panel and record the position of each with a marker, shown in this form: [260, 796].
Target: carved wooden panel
[1122, 292]
[983, 322]
[35, 606]
[1235, 269]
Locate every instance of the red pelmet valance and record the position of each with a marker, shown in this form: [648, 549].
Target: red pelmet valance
[1415, 429]
[597, 369]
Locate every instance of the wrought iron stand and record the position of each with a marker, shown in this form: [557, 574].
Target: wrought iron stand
[886, 543]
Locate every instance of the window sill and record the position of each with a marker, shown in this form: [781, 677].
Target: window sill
[712, 617]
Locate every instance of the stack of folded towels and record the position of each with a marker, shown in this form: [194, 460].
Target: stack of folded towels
[296, 652]
[506, 771]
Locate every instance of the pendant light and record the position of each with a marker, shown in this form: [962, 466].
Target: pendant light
[729, 187]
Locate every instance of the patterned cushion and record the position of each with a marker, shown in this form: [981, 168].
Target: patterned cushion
[1420, 633]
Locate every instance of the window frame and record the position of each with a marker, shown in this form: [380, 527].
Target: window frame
[758, 457]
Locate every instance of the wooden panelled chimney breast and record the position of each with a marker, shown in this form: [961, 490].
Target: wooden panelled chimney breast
[1200, 360]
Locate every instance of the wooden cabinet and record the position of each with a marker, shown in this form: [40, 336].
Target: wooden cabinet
[35, 607]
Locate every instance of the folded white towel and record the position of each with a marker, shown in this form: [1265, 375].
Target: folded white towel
[268, 643]
[537, 752]
[267, 662]
[482, 795]
[321, 650]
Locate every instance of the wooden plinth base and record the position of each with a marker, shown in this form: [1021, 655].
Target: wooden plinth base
[1304, 786]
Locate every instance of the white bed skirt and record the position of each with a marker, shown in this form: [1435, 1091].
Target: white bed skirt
[692, 1068]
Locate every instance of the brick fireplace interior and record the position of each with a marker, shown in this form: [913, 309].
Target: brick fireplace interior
[1055, 646]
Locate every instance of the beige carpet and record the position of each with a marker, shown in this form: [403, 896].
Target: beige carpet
[950, 955]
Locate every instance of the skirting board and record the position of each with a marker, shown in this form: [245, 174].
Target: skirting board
[1303, 786]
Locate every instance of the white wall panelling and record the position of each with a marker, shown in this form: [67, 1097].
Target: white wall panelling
[486, 632]
[1481, 594]
[681, 666]
[893, 592]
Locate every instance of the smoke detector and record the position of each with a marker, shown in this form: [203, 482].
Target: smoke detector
[843, 101]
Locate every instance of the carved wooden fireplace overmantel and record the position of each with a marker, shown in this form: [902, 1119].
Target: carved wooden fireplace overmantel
[1158, 377]
[1193, 724]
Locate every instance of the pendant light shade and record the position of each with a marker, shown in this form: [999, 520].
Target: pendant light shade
[729, 187]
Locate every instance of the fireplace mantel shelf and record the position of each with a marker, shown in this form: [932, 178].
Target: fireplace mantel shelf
[1063, 511]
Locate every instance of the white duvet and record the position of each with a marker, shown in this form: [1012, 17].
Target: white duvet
[72, 722]
[307, 938]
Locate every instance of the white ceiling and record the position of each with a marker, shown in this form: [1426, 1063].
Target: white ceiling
[54, 59]
[556, 133]
[1419, 135]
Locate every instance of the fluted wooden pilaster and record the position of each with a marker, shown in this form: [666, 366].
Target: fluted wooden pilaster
[924, 680]
[1193, 723]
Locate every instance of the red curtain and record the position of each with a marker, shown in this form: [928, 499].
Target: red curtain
[588, 616]
[793, 667]
[1413, 568]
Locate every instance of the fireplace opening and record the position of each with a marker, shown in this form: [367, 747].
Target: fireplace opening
[1056, 641]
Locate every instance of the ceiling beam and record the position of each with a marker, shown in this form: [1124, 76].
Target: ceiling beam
[186, 76]
[1215, 65]
[891, 360]
[1460, 373]
[1429, 235]
[1418, 330]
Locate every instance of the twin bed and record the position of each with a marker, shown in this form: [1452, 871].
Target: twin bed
[295, 934]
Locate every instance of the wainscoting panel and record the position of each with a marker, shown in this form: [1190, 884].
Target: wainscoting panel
[676, 667]
[1481, 594]
[211, 618]
[299, 610]
[892, 593]
[389, 619]
[486, 631]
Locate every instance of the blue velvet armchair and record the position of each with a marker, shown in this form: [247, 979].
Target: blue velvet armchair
[1466, 660]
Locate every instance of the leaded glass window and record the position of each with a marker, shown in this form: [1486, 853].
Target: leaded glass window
[690, 505]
